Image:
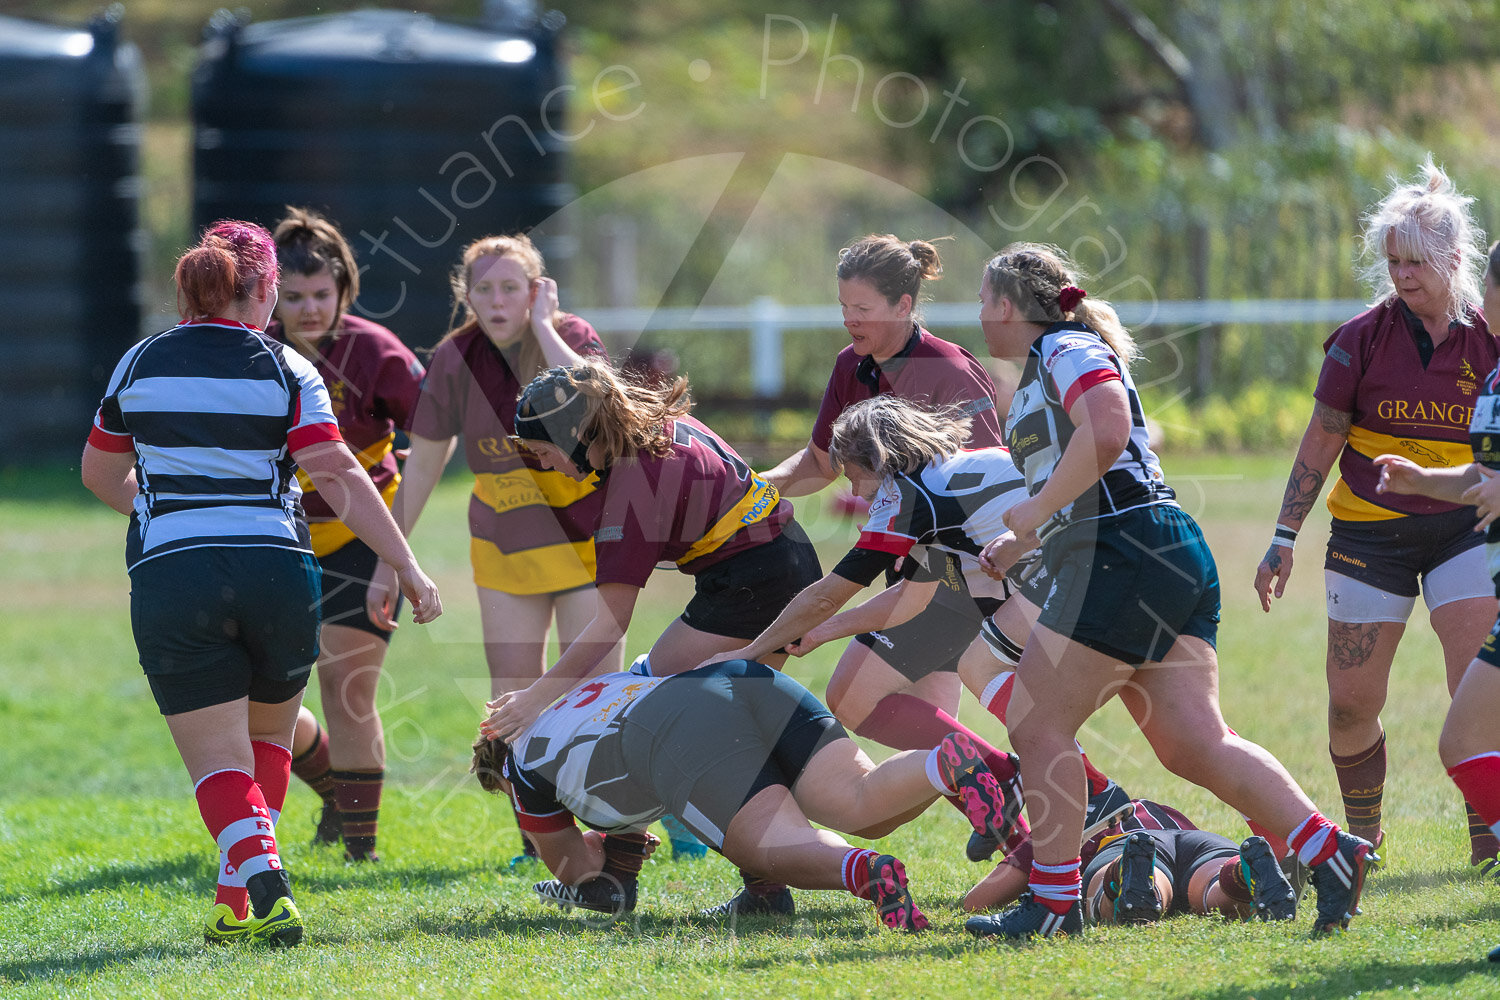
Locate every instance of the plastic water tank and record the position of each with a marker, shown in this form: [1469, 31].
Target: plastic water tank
[415, 135]
[71, 247]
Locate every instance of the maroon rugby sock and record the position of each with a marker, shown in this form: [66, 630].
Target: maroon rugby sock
[1362, 785]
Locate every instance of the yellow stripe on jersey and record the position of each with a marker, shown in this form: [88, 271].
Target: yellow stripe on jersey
[754, 506]
[545, 570]
[503, 491]
[1426, 452]
[1345, 505]
[330, 536]
[367, 458]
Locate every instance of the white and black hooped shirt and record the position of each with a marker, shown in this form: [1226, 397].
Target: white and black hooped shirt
[1063, 363]
[213, 410]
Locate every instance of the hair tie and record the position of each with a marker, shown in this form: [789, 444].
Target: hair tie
[1069, 297]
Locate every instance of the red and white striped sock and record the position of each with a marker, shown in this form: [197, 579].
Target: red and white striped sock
[273, 773]
[1314, 840]
[1057, 887]
[234, 810]
[1478, 778]
[855, 871]
[996, 694]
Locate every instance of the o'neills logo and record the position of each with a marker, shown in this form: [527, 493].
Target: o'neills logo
[1348, 559]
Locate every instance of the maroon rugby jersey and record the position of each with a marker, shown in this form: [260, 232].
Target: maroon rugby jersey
[927, 370]
[1373, 370]
[696, 507]
[373, 381]
[471, 390]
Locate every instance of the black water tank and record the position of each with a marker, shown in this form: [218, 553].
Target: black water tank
[415, 135]
[71, 246]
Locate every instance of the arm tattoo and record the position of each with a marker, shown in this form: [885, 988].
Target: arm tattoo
[1351, 643]
[1334, 421]
[1302, 489]
[1273, 559]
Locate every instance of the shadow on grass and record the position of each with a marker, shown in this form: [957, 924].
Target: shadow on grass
[193, 868]
[1355, 979]
[91, 961]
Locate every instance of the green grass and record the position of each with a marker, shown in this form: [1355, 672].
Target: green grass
[106, 872]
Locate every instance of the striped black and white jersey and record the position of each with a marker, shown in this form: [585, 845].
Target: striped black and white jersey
[956, 504]
[1064, 362]
[213, 410]
[551, 765]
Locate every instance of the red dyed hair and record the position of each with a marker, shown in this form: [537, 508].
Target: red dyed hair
[232, 259]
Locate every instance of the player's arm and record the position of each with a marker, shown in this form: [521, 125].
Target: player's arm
[815, 604]
[513, 712]
[893, 606]
[570, 854]
[110, 475]
[803, 473]
[1326, 434]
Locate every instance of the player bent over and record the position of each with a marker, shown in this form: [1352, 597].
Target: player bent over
[745, 756]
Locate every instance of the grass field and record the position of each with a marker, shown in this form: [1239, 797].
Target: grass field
[106, 871]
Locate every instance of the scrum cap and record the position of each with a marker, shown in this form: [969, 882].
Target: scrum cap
[552, 409]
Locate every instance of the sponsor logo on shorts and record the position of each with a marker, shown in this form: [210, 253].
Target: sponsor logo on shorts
[1348, 559]
[612, 533]
[880, 638]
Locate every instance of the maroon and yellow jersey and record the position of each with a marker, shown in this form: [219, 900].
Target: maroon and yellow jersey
[373, 382]
[695, 507]
[1374, 371]
[530, 528]
[929, 371]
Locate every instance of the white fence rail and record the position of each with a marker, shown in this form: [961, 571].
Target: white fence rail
[768, 320]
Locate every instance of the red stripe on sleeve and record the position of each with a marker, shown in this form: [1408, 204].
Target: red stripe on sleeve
[1087, 382]
[550, 823]
[104, 440]
[300, 437]
[896, 545]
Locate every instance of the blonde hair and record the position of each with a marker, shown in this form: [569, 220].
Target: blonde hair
[1033, 276]
[1429, 220]
[887, 435]
[529, 362]
[624, 415]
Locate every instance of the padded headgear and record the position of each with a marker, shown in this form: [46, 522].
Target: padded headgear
[552, 409]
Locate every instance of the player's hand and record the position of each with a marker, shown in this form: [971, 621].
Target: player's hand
[1485, 496]
[1004, 552]
[544, 301]
[1398, 474]
[1026, 518]
[743, 653]
[511, 714]
[380, 597]
[811, 640]
[1272, 574]
[421, 592]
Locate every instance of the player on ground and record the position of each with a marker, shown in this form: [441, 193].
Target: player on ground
[746, 757]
